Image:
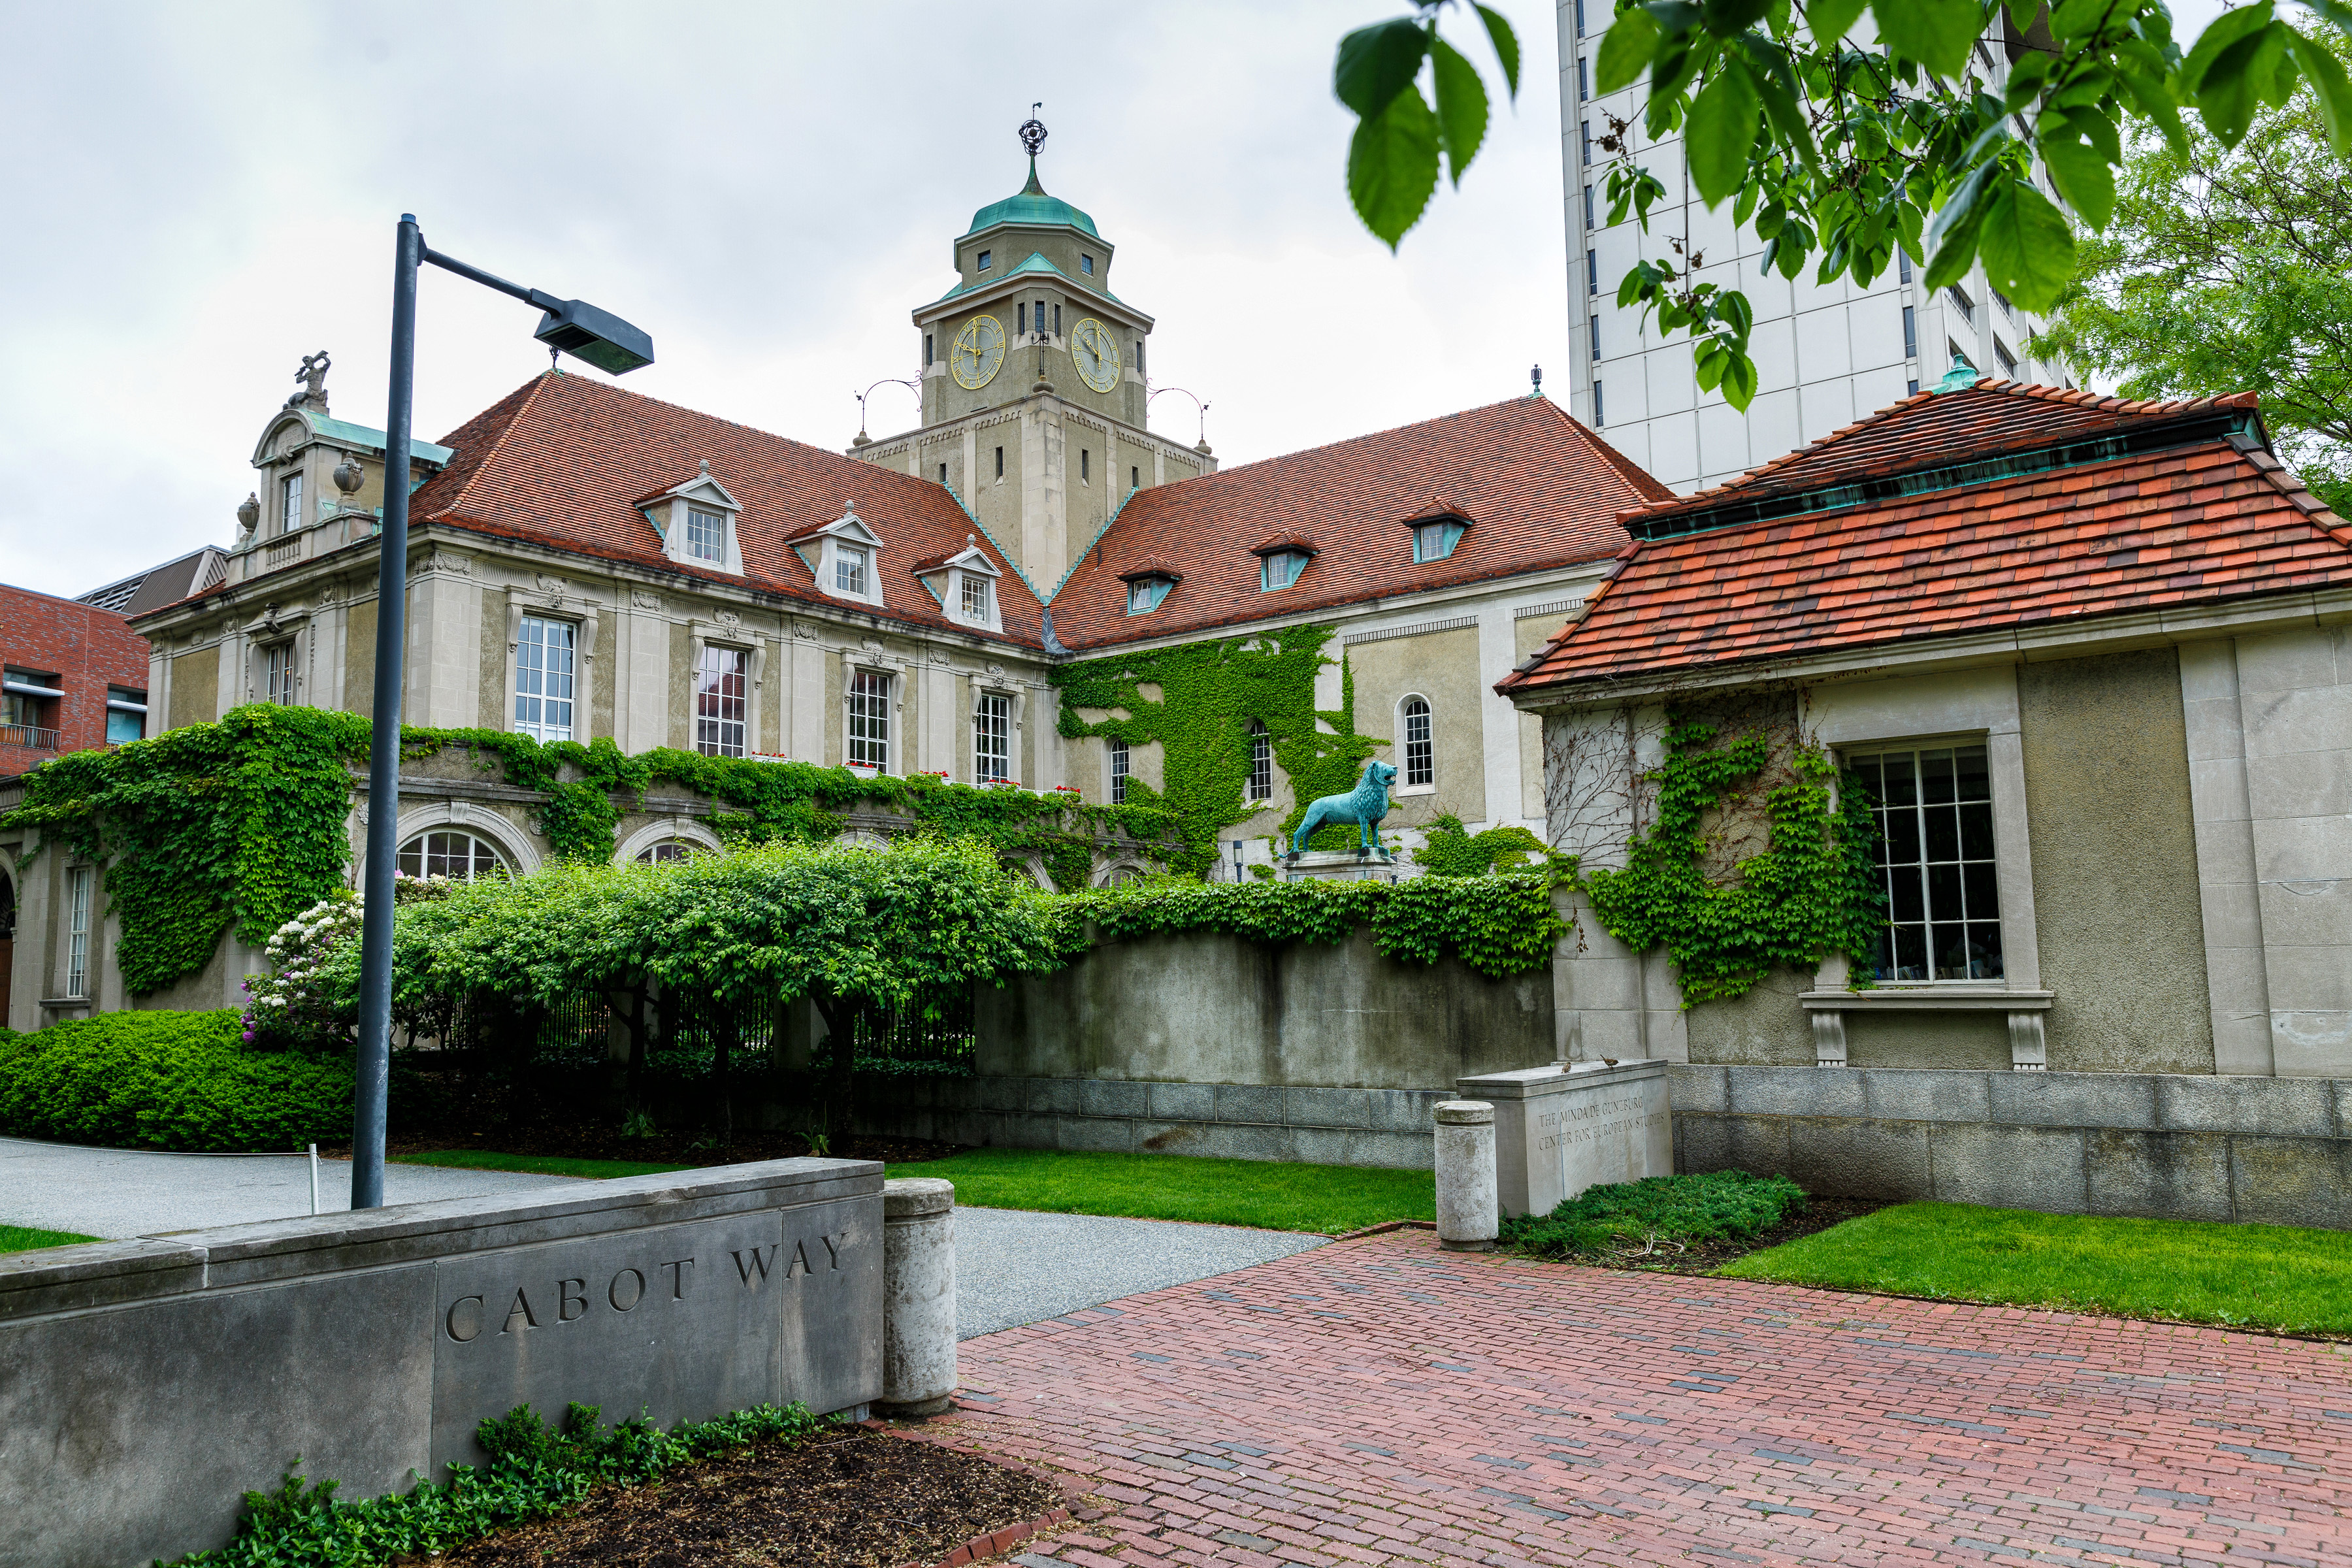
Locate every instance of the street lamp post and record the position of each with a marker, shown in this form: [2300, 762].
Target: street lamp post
[572, 327]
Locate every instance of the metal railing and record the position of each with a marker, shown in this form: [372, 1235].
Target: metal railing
[29, 735]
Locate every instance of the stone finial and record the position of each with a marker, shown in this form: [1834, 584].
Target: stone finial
[348, 475]
[970, 540]
[248, 512]
[705, 467]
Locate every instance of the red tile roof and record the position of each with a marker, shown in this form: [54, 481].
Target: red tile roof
[1539, 490]
[560, 460]
[2200, 522]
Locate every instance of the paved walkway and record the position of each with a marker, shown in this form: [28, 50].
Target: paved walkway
[1382, 1402]
[1013, 1266]
[116, 1193]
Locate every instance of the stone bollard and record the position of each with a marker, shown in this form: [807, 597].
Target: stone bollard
[918, 1291]
[1466, 1207]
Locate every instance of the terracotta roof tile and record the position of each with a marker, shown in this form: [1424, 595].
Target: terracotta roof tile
[1539, 490]
[560, 460]
[2197, 523]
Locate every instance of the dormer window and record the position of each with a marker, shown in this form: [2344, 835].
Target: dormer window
[1146, 589]
[849, 570]
[706, 534]
[982, 266]
[697, 520]
[978, 600]
[1280, 569]
[1436, 540]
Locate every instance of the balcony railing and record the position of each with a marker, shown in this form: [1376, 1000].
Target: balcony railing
[31, 735]
[284, 552]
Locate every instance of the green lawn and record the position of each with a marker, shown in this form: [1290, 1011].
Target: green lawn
[538, 1164]
[1260, 1193]
[24, 1238]
[2251, 1275]
[1328, 1199]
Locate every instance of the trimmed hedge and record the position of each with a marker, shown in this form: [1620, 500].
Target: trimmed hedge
[156, 1079]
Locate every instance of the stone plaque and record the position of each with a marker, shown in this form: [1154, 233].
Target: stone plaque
[680, 1322]
[1559, 1130]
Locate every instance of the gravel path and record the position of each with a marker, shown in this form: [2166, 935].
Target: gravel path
[1013, 1266]
[116, 1193]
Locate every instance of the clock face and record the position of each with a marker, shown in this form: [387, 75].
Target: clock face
[979, 350]
[1095, 353]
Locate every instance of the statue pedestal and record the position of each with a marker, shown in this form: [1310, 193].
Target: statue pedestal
[1561, 1129]
[1339, 866]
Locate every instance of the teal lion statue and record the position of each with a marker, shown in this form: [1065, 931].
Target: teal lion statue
[1364, 805]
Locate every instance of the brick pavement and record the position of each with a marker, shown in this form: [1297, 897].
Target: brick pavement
[1382, 1402]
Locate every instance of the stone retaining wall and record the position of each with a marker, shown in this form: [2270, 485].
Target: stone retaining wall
[1232, 1121]
[2275, 1151]
[146, 1385]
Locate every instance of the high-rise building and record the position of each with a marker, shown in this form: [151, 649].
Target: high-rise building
[1826, 355]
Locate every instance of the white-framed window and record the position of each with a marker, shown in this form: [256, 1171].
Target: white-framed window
[544, 651]
[706, 534]
[451, 853]
[1934, 807]
[1143, 594]
[1436, 540]
[277, 672]
[667, 850]
[978, 600]
[1420, 755]
[869, 720]
[1280, 570]
[80, 883]
[1261, 772]
[992, 737]
[849, 570]
[1119, 762]
[721, 700]
[290, 502]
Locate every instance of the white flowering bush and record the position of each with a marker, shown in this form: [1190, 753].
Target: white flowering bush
[297, 1004]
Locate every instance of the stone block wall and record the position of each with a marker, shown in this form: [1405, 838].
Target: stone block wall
[2163, 1146]
[1322, 1126]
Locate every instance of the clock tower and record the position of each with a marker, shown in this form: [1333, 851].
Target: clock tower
[1033, 384]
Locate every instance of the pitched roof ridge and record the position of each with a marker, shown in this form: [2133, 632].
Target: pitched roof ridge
[1352, 440]
[1632, 473]
[473, 463]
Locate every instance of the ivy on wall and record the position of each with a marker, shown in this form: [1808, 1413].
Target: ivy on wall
[1209, 693]
[240, 824]
[1811, 892]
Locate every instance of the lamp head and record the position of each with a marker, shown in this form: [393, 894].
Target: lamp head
[603, 339]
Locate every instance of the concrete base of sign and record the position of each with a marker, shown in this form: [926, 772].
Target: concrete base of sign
[1341, 865]
[1561, 1129]
[149, 1383]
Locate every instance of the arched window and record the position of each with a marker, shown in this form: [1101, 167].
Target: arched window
[1419, 756]
[458, 855]
[1118, 765]
[1261, 773]
[665, 851]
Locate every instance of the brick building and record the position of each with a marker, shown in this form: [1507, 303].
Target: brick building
[77, 678]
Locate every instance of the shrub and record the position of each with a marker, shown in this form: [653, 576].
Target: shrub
[534, 1471]
[1716, 1206]
[155, 1079]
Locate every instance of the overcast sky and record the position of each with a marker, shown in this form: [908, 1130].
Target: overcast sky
[199, 194]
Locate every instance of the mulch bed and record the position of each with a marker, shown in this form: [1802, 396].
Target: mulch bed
[1705, 1257]
[857, 1498]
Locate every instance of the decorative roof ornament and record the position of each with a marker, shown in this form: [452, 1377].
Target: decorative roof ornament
[313, 377]
[1537, 376]
[1033, 131]
[1962, 377]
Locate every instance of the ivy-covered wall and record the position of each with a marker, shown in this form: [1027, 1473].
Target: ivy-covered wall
[1204, 698]
[240, 825]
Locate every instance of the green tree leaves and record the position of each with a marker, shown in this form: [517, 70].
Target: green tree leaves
[2028, 250]
[1392, 158]
[1721, 132]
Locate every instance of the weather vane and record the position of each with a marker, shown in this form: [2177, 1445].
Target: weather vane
[1033, 131]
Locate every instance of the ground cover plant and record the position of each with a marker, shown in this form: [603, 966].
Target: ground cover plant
[2241, 1275]
[1267, 1194]
[29, 1238]
[1656, 1216]
[534, 1471]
